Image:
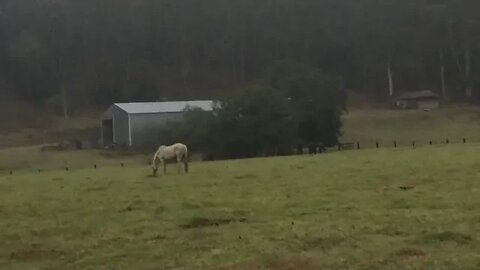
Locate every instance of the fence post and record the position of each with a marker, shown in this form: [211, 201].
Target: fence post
[447, 141]
[431, 143]
[377, 144]
[464, 140]
[300, 149]
[395, 144]
[358, 145]
[413, 143]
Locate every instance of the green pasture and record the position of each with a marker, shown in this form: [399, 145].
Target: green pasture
[372, 209]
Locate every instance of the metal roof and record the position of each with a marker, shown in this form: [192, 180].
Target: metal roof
[164, 107]
[417, 95]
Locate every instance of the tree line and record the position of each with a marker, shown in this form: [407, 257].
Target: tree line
[292, 104]
[72, 54]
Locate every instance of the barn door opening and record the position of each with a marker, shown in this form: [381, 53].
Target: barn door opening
[107, 132]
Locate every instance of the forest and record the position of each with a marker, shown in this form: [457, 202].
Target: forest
[75, 54]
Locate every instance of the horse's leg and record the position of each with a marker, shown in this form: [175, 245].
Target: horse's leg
[179, 164]
[185, 160]
[185, 164]
[164, 166]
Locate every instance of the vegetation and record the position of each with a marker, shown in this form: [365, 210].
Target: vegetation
[340, 210]
[385, 126]
[79, 54]
[295, 104]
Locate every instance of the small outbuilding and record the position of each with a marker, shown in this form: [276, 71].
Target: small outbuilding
[422, 100]
[140, 124]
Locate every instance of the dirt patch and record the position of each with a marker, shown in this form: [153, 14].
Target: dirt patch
[240, 267]
[35, 254]
[4, 188]
[458, 238]
[92, 189]
[276, 263]
[390, 231]
[246, 176]
[158, 238]
[136, 205]
[323, 243]
[409, 252]
[207, 222]
[294, 263]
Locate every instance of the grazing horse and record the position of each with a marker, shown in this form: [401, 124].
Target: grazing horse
[164, 153]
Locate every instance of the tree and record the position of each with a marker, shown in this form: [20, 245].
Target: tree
[254, 121]
[317, 100]
[98, 52]
[195, 130]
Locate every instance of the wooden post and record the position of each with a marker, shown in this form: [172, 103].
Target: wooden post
[300, 149]
[413, 143]
[377, 144]
[464, 140]
[395, 144]
[358, 145]
[431, 142]
[447, 141]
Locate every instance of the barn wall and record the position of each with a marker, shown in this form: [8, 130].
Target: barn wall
[120, 126]
[428, 104]
[146, 128]
[107, 115]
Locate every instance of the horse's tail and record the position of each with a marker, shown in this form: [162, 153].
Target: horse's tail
[185, 159]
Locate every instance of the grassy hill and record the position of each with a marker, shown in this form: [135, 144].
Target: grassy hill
[342, 210]
[454, 123]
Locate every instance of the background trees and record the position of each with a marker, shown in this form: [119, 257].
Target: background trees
[79, 54]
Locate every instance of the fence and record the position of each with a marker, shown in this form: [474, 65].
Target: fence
[377, 144]
[312, 149]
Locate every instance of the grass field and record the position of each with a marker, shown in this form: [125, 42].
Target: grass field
[341, 210]
[385, 126]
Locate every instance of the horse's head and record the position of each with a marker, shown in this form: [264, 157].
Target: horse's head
[154, 169]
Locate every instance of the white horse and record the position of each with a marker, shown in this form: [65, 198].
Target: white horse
[164, 153]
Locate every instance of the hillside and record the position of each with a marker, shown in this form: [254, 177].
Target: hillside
[335, 211]
[454, 123]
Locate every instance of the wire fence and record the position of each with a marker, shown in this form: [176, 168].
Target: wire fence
[312, 149]
[380, 144]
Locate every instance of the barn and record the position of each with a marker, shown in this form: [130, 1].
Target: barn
[139, 124]
[423, 100]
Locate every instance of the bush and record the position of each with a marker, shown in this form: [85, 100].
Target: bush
[295, 104]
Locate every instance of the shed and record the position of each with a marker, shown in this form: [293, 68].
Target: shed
[139, 124]
[422, 100]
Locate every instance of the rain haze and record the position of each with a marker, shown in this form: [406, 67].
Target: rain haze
[266, 134]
